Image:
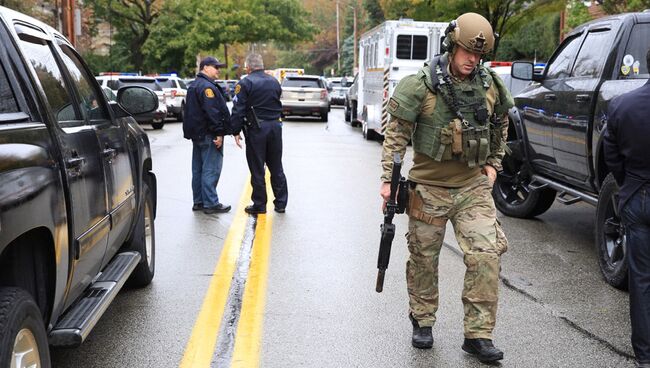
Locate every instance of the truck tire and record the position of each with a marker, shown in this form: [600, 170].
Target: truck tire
[158, 125]
[143, 240]
[181, 114]
[512, 193]
[347, 112]
[23, 340]
[610, 236]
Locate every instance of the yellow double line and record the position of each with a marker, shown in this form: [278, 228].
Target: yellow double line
[201, 346]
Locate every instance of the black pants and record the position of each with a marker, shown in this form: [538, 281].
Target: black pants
[264, 146]
[636, 216]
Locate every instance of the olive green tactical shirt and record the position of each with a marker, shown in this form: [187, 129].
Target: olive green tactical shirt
[425, 170]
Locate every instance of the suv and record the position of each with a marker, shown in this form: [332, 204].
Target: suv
[175, 91]
[305, 95]
[557, 127]
[351, 100]
[77, 193]
[339, 89]
[115, 81]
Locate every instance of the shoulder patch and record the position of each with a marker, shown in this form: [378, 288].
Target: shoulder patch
[209, 93]
[237, 88]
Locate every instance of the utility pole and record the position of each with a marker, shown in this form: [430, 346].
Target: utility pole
[338, 39]
[225, 56]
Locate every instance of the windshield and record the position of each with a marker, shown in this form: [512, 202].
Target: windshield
[149, 83]
[301, 83]
[165, 82]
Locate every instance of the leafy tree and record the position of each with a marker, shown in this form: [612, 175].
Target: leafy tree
[186, 28]
[536, 39]
[505, 16]
[623, 6]
[134, 18]
[374, 13]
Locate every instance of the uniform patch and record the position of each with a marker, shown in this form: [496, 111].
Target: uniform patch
[393, 105]
[237, 89]
[209, 93]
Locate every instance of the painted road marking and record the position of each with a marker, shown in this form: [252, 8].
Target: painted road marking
[229, 324]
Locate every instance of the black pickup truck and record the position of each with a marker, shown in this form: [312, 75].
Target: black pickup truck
[77, 193]
[557, 128]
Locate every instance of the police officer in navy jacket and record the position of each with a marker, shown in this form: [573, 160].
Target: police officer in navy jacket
[205, 123]
[264, 142]
[627, 154]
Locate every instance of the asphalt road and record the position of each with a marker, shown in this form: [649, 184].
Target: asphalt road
[318, 307]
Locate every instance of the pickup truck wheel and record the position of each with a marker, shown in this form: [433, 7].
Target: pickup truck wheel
[610, 236]
[157, 125]
[347, 113]
[181, 114]
[144, 241]
[512, 193]
[23, 340]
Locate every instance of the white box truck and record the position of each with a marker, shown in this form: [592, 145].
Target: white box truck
[388, 53]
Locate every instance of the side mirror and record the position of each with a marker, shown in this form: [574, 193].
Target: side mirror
[522, 70]
[137, 100]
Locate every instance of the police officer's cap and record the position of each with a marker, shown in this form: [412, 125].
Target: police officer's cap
[210, 60]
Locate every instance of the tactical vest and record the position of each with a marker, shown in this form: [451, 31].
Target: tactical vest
[442, 135]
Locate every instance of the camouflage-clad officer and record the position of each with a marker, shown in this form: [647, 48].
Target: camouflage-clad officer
[455, 112]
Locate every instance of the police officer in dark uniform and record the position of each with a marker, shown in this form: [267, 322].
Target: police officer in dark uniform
[258, 97]
[205, 123]
[626, 154]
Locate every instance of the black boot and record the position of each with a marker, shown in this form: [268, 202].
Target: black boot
[483, 349]
[422, 337]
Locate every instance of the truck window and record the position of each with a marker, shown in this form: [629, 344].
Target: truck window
[410, 47]
[7, 99]
[40, 54]
[91, 106]
[592, 55]
[637, 47]
[560, 66]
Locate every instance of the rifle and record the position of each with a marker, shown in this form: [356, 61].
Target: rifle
[396, 204]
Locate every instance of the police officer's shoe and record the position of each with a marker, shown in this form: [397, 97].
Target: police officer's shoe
[219, 208]
[252, 210]
[197, 207]
[642, 365]
[422, 336]
[280, 209]
[483, 349]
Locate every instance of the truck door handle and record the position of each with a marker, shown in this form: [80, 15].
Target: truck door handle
[549, 97]
[583, 98]
[109, 153]
[75, 162]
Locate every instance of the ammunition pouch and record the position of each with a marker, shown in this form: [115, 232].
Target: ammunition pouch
[476, 145]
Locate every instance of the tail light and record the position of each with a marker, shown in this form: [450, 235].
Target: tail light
[323, 94]
[173, 93]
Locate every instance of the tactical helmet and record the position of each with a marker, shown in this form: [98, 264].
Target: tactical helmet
[472, 32]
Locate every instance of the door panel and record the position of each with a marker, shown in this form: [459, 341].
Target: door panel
[112, 145]
[83, 165]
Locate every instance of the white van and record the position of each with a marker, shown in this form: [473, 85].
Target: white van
[388, 53]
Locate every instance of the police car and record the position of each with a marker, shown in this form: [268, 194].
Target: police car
[115, 81]
[175, 91]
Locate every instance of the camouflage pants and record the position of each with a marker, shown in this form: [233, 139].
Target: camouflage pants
[473, 216]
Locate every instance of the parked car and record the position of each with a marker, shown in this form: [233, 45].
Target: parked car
[350, 106]
[503, 70]
[305, 95]
[115, 81]
[231, 87]
[78, 197]
[175, 92]
[337, 95]
[556, 134]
